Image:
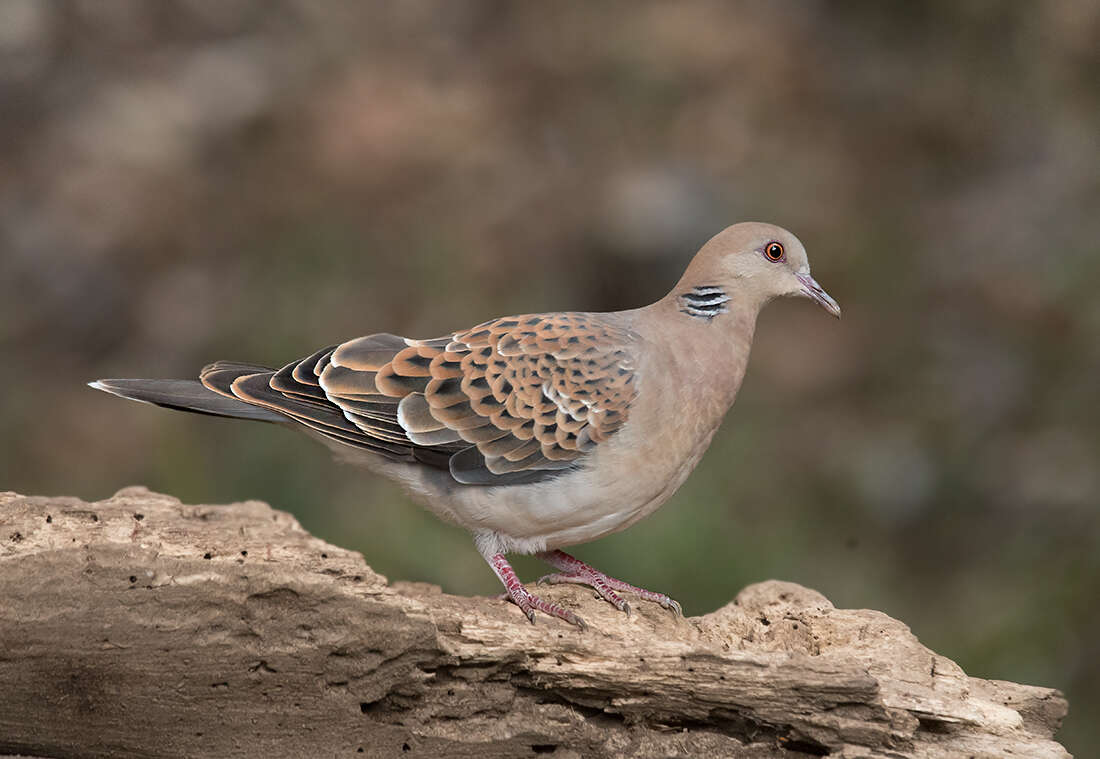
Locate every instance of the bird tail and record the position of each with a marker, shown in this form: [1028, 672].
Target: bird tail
[184, 395]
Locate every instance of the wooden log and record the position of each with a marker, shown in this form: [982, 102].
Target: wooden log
[139, 626]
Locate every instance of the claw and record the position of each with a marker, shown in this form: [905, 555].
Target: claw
[576, 571]
[572, 571]
[618, 602]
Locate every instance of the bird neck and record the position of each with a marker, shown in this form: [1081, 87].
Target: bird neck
[708, 332]
[712, 311]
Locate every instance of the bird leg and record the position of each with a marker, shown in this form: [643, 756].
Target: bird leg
[576, 571]
[524, 599]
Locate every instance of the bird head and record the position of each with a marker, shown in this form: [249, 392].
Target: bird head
[751, 260]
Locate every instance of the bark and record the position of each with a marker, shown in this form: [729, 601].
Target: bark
[140, 626]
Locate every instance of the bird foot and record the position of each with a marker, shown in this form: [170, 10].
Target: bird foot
[576, 571]
[603, 590]
[527, 601]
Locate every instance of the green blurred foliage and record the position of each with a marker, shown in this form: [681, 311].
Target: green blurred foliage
[192, 180]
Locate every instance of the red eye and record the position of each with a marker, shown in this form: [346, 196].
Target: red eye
[773, 251]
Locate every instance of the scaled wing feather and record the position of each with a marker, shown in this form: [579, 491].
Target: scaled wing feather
[510, 401]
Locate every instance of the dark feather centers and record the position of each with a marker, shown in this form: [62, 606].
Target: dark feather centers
[518, 399]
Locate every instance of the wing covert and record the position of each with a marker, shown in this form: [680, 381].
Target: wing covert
[510, 401]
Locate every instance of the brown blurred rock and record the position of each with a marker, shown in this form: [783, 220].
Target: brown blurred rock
[141, 626]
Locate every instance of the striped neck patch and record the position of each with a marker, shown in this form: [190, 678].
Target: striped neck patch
[704, 302]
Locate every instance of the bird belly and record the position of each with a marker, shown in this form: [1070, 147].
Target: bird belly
[624, 480]
[622, 484]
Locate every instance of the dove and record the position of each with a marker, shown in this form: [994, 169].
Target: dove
[534, 432]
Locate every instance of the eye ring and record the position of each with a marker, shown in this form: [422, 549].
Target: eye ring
[774, 252]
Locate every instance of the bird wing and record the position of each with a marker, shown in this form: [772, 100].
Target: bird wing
[510, 401]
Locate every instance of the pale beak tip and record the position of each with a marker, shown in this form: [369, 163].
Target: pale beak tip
[812, 290]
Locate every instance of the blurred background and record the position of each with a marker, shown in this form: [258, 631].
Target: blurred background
[191, 180]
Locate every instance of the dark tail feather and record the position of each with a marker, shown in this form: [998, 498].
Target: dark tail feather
[184, 395]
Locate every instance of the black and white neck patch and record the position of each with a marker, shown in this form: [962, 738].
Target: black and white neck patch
[704, 302]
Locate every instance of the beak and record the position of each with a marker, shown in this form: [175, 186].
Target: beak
[812, 290]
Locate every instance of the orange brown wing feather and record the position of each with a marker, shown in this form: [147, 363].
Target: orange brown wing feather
[512, 400]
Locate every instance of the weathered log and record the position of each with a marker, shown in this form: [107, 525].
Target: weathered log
[140, 626]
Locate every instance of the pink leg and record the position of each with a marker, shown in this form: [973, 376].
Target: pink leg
[576, 571]
[522, 598]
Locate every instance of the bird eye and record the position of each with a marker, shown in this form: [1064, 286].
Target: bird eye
[773, 251]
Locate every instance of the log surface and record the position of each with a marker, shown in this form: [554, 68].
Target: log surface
[139, 626]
